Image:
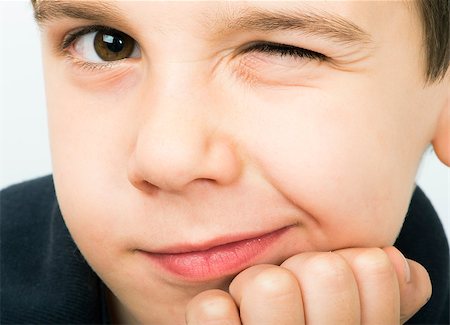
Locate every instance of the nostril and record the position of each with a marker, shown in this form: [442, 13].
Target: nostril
[145, 186]
[138, 180]
[148, 187]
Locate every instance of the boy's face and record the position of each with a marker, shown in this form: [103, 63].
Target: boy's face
[196, 141]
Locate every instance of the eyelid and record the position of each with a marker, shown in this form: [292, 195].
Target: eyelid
[265, 63]
[90, 66]
[73, 35]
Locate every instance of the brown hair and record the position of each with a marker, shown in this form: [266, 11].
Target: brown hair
[436, 33]
[436, 30]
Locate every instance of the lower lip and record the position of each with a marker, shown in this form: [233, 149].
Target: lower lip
[217, 261]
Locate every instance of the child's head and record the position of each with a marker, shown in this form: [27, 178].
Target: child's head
[199, 125]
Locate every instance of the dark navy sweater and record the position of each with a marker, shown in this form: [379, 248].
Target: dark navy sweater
[45, 279]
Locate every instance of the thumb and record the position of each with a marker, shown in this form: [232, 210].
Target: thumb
[414, 283]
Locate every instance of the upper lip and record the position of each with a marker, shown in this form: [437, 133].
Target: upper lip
[215, 242]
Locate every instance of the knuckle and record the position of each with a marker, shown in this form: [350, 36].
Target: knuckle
[425, 288]
[330, 272]
[373, 262]
[210, 307]
[328, 265]
[419, 292]
[327, 272]
[276, 283]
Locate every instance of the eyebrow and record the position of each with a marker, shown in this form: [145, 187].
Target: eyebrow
[48, 10]
[307, 21]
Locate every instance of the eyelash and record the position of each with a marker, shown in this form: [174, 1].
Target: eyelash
[74, 35]
[271, 48]
[283, 50]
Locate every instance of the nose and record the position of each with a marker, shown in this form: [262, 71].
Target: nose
[179, 142]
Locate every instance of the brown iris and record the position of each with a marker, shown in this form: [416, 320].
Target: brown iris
[113, 45]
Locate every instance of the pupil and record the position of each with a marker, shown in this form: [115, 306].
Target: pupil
[114, 43]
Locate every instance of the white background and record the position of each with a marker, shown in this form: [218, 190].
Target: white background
[24, 151]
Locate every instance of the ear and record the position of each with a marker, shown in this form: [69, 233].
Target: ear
[441, 140]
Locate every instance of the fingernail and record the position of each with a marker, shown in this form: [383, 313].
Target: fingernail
[407, 270]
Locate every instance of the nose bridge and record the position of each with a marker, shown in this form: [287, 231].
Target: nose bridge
[176, 110]
[173, 129]
[176, 141]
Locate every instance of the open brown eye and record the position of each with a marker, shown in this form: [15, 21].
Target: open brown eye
[113, 45]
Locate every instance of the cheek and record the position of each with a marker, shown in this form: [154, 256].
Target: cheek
[90, 121]
[90, 138]
[87, 139]
[340, 161]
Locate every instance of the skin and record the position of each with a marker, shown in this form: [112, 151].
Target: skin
[188, 142]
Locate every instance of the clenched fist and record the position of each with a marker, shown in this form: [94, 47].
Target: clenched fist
[348, 286]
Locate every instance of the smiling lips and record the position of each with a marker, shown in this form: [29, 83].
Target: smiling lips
[200, 264]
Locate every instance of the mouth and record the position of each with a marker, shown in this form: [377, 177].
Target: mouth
[216, 259]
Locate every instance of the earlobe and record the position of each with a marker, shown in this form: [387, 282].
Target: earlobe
[441, 140]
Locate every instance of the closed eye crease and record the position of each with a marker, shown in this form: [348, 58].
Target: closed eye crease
[283, 50]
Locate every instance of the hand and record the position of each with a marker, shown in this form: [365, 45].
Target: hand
[349, 286]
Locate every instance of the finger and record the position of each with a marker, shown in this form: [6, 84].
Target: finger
[268, 295]
[329, 290]
[377, 284]
[418, 290]
[414, 283]
[212, 307]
